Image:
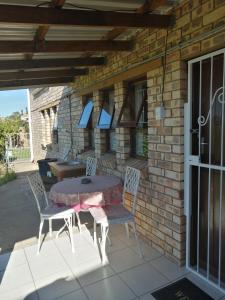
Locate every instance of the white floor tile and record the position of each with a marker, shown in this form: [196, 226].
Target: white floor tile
[168, 268]
[56, 285]
[147, 297]
[143, 278]
[124, 259]
[116, 244]
[98, 274]
[148, 252]
[48, 249]
[117, 230]
[12, 259]
[27, 292]
[109, 289]
[47, 266]
[202, 284]
[86, 267]
[16, 277]
[78, 295]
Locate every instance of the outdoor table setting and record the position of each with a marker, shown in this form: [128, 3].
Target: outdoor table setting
[85, 192]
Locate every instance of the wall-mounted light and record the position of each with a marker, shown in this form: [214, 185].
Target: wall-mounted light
[159, 112]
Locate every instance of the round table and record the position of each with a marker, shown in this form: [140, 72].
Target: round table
[101, 191]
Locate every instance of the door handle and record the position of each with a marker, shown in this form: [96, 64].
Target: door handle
[202, 145]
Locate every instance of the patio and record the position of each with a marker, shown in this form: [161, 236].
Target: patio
[58, 274]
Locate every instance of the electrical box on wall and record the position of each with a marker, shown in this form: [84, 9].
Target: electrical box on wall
[159, 112]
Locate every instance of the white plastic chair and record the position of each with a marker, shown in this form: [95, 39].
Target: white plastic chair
[91, 167]
[118, 214]
[47, 211]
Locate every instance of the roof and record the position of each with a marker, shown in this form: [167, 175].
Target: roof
[63, 38]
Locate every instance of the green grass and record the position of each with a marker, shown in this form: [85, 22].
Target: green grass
[21, 153]
[9, 176]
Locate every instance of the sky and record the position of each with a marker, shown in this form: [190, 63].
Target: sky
[12, 101]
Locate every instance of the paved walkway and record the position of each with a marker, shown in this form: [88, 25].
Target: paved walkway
[58, 274]
[18, 213]
[19, 218]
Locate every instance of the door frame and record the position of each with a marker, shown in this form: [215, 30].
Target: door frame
[190, 161]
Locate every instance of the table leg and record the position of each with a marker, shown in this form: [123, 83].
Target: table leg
[105, 230]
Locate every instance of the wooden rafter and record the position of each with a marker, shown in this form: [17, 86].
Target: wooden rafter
[74, 17]
[148, 6]
[50, 63]
[21, 75]
[43, 29]
[35, 82]
[65, 46]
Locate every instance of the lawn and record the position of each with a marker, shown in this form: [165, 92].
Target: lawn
[21, 153]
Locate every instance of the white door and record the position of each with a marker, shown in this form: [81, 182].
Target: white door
[205, 167]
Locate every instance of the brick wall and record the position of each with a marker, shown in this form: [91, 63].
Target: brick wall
[199, 29]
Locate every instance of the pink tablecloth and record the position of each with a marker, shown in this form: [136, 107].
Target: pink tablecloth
[101, 191]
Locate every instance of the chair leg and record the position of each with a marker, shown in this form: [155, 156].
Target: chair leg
[70, 227]
[78, 221]
[39, 236]
[104, 230]
[50, 227]
[61, 229]
[108, 238]
[127, 230]
[137, 240]
[74, 219]
[95, 233]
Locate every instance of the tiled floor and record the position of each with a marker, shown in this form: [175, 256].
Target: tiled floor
[58, 274]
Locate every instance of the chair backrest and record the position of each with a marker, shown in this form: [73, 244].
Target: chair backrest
[38, 190]
[91, 166]
[131, 184]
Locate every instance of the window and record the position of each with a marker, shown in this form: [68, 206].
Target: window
[106, 119]
[55, 136]
[139, 134]
[86, 113]
[108, 109]
[87, 121]
[134, 115]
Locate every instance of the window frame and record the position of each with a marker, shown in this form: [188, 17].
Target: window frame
[104, 99]
[55, 129]
[127, 100]
[109, 128]
[87, 99]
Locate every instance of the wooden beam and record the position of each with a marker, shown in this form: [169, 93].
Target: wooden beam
[147, 7]
[35, 82]
[58, 3]
[151, 5]
[63, 46]
[50, 63]
[73, 17]
[21, 75]
[126, 75]
[43, 29]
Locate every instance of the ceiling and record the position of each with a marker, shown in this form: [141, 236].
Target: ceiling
[38, 37]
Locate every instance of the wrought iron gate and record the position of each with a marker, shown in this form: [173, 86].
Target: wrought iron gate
[17, 147]
[205, 167]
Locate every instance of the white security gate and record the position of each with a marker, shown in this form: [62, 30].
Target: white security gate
[205, 167]
[17, 147]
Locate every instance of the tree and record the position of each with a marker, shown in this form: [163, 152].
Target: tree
[10, 125]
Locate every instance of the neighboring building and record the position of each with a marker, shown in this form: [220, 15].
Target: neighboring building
[118, 114]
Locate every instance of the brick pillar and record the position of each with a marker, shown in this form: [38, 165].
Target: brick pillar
[166, 159]
[100, 134]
